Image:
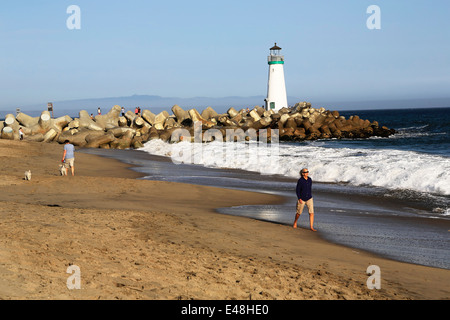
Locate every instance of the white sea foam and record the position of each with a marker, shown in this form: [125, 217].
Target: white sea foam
[391, 169]
[442, 211]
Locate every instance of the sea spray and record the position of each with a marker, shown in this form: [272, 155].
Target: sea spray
[238, 149]
[390, 169]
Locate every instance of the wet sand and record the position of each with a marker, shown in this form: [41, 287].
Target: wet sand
[141, 239]
[364, 218]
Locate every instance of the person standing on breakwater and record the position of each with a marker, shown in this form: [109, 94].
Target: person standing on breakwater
[304, 195]
[69, 156]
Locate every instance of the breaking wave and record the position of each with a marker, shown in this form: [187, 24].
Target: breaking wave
[386, 168]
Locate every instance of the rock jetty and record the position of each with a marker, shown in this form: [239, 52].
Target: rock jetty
[116, 131]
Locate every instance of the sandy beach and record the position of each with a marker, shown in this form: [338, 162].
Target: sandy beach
[139, 239]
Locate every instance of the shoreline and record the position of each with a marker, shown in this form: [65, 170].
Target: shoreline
[141, 239]
[368, 212]
[283, 200]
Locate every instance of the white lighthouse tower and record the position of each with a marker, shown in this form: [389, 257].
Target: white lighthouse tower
[276, 87]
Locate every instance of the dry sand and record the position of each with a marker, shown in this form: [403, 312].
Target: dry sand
[138, 239]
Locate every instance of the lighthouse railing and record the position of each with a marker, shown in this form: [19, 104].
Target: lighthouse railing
[272, 58]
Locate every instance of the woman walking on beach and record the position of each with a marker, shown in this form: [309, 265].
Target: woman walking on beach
[304, 195]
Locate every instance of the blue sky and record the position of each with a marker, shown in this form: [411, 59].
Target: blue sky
[219, 48]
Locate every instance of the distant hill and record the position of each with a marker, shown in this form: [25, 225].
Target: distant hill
[151, 102]
[157, 104]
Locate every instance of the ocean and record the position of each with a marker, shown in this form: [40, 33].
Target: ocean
[413, 163]
[389, 196]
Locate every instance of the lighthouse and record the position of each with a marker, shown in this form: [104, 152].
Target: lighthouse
[276, 87]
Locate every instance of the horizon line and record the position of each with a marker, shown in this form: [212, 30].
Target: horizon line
[34, 106]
